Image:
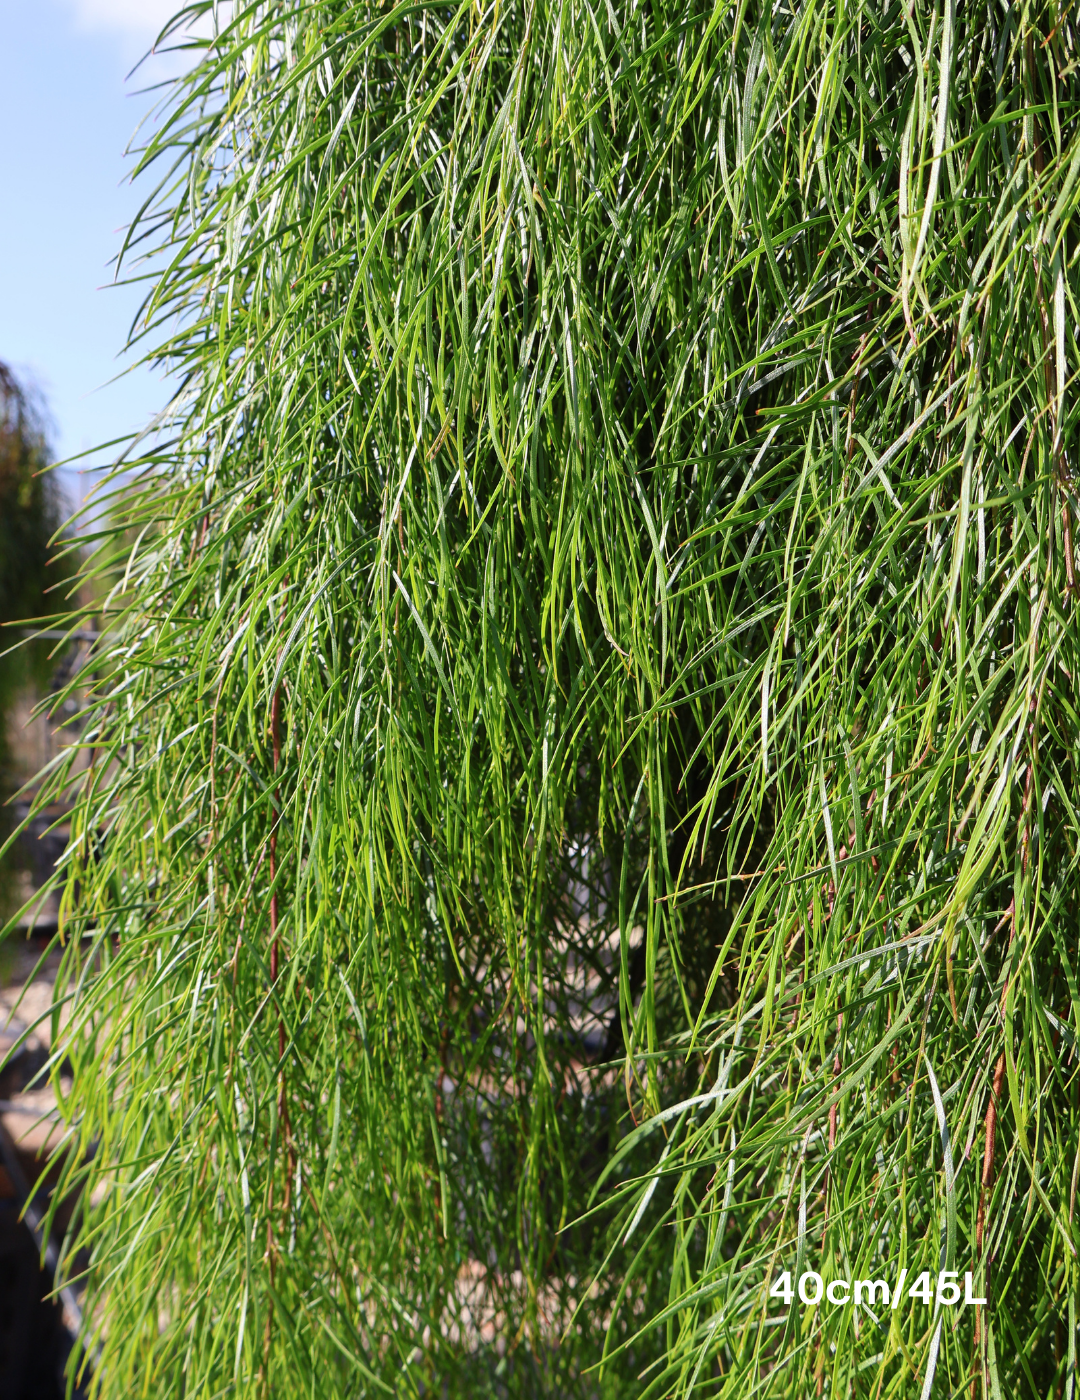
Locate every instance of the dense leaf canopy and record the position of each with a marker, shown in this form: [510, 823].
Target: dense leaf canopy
[578, 813]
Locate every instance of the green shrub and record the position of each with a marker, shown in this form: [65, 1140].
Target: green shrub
[582, 806]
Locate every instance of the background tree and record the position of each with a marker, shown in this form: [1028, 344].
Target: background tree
[29, 512]
[582, 814]
[29, 516]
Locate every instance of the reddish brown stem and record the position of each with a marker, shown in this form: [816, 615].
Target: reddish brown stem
[833, 1116]
[1066, 525]
[986, 1185]
[988, 1151]
[275, 733]
[275, 945]
[275, 961]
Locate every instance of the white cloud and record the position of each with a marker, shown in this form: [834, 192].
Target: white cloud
[141, 18]
[140, 21]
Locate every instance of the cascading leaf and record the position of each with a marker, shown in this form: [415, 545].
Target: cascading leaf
[596, 647]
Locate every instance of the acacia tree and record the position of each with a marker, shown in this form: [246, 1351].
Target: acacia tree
[581, 810]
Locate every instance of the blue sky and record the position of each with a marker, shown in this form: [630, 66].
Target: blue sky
[68, 112]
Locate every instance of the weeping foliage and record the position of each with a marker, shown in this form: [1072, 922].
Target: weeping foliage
[578, 812]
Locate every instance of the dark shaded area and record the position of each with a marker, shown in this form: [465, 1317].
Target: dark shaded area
[37, 1331]
[41, 843]
[34, 1344]
[36, 1337]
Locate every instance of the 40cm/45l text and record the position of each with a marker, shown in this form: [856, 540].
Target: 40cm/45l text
[873, 1291]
